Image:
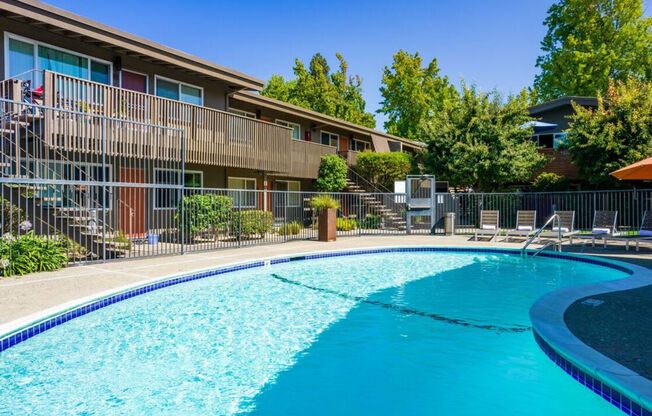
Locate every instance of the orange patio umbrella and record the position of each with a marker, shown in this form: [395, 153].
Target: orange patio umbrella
[638, 171]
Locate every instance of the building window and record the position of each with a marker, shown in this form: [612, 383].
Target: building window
[168, 198]
[394, 146]
[296, 128]
[179, 91]
[329, 139]
[245, 199]
[294, 187]
[359, 145]
[26, 55]
[242, 113]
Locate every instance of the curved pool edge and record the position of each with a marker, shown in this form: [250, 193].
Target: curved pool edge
[26, 327]
[609, 379]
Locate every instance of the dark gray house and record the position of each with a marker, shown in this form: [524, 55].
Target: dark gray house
[550, 129]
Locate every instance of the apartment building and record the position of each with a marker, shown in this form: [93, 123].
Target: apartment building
[233, 136]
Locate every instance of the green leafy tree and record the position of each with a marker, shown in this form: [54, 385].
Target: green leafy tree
[590, 42]
[203, 212]
[412, 93]
[550, 181]
[336, 94]
[332, 174]
[384, 168]
[616, 134]
[481, 141]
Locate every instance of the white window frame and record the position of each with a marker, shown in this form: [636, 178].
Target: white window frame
[331, 134]
[290, 199]
[289, 124]
[180, 83]
[366, 145]
[37, 43]
[156, 170]
[137, 73]
[242, 113]
[235, 200]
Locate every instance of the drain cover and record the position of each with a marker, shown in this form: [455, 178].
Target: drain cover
[592, 302]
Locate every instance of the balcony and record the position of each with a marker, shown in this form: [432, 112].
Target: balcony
[211, 136]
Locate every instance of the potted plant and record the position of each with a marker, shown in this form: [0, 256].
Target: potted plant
[326, 207]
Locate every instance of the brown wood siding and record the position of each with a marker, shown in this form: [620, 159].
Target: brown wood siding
[211, 136]
[306, 157]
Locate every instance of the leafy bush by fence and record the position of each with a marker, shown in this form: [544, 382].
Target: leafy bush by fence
[29, 253]
[204, 212]
[251, 223]
[344, 224]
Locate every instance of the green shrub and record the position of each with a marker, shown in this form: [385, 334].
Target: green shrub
[203, 212]
[320, 202]
[29, 253]
[332, 174]
[384, 168]
[345, 224]
[252, 223]
[550, 181]
[12, 216]
[291, 228]
[371, 222]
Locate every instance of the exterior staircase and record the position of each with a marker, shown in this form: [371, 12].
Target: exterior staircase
[51, 207]
[376, 201]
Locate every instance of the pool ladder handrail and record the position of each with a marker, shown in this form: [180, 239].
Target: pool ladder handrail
[549, 243]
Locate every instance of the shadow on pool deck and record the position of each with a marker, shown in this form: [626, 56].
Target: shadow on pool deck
[621, 327]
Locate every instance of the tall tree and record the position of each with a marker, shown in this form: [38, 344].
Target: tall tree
[411, 93]
[481, 141]
[616, 134]
[336, 94]
[590, 42]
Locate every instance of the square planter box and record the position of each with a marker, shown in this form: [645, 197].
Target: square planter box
[327, 230]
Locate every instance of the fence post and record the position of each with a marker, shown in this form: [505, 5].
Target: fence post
[285, 215]
[103, 190]
[359, 215]
[239, 216]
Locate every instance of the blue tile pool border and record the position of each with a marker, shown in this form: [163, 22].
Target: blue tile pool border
[599, 387]
[15, 337]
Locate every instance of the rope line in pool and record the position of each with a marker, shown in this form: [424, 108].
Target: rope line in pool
[404, 310]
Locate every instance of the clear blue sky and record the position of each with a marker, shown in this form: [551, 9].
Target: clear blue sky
[492, 43]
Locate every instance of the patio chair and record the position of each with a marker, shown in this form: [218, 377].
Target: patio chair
[604, 227]
[489, 224]
[644, 233]
[526, 224]
[564, 223]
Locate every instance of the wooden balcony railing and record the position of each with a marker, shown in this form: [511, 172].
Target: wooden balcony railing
[306, 157]
[211, 136]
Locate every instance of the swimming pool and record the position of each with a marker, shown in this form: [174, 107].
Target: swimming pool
[383, 333]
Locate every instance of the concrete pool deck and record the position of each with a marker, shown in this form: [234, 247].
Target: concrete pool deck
[24, 298]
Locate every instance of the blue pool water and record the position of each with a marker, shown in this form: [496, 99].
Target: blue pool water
[377, 334]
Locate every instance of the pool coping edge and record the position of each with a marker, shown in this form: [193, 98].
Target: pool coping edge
[547, 318]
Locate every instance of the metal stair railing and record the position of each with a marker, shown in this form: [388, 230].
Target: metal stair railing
[536, 235]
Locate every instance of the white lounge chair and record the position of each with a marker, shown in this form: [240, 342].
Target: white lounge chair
[604, 227]
[489, 224]
[644, 233]
[563, 223]
[526, 224]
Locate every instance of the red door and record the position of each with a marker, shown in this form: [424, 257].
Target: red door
[132, 203]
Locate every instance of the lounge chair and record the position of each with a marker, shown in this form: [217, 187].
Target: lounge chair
[604, 227]
[526, 224]
[489, 224]
[563, 223]
[644, 233]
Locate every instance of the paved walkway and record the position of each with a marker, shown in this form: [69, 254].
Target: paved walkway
[23, 296]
